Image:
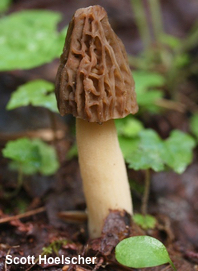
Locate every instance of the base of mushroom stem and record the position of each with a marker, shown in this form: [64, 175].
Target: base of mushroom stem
[117, 226]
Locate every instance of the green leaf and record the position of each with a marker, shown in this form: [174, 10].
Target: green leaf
[146, 96]
[128, 127]
[49, 161]
[194, 124]
[29, 39]
[145, 80]
[178, 151]
[148, 153]
[141, 252]
[31, 156]
[36, 93]
[47, 250]
[181, 60]
[170, 40]
[73, 152]
[128, 146]
[4, 5]
[24, 154]
[147, 100]
[146, 222]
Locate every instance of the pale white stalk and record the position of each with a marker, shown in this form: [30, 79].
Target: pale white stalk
[103, 172]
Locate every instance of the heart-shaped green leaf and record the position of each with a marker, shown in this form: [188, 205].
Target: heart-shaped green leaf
[31, 156]
[141, 252]
[29, 38]
[36, 93]
[146, 222]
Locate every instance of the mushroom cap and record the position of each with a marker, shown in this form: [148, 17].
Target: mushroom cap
[94, 81]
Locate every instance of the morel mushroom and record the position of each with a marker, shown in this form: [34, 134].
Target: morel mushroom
[94, 83]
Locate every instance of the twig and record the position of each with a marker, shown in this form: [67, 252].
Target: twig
[8, 253]
[45, 134]
[146, 192]
[6, 268]
[190, 104]
[73, 216]
[29, 213]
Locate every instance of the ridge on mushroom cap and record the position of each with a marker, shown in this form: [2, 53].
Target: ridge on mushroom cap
[94, 81]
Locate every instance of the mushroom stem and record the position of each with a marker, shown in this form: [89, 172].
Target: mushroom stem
[103, 172]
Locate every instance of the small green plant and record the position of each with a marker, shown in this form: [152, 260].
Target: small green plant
[35, 93]
[141, 252]
[147, 89]
[163, 53]
[54, 247]
[144, 149]
[29, 39]
[153, 152]
[31, 156]
[145, 221]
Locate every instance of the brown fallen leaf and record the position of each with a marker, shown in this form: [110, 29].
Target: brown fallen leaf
[116, 228]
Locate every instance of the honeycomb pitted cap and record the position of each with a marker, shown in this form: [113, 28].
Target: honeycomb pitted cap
[94, 81]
